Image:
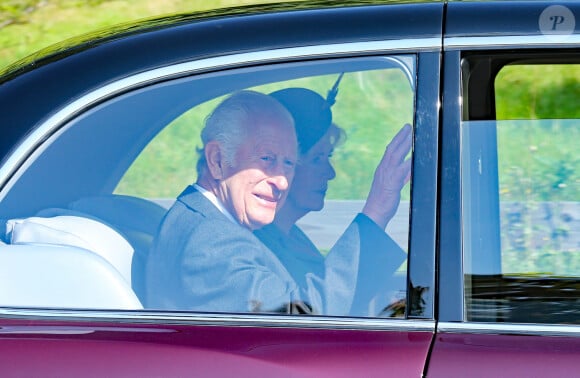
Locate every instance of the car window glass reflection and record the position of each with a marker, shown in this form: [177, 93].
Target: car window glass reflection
[520, 206]
[355, 276]
[329, 182]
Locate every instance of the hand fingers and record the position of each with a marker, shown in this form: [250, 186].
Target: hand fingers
[392, 177]
[398, 176]
[404, 132]
[399, 147]
[402, 143]
[405, 172]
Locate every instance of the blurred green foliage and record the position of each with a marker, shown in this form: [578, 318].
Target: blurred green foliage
[371, 107]
[27, 26]
[539, 160]
[538, 92]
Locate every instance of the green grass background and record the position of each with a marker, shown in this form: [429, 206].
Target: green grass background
[381, 98]
[27, 26]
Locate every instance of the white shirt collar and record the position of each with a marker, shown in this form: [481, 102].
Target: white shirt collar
[217, 203]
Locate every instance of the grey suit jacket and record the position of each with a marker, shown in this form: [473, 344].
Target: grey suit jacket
[202, 261]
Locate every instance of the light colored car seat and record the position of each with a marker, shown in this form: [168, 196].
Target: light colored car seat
[136, 219]
[65, 261]
[77, 232]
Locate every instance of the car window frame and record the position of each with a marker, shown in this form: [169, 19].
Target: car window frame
[459, 53]
[422, 235]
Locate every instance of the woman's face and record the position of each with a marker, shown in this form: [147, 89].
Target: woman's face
[311, 177]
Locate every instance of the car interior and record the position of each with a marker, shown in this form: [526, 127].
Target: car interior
[69, 240]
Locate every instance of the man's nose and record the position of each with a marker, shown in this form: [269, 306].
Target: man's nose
[279, 181]
[280, 176]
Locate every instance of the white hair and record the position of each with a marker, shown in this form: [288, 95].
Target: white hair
[231, 121]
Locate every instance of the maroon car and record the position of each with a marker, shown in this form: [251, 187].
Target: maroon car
[99, 138]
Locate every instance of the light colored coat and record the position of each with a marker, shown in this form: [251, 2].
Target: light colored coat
[363, 260]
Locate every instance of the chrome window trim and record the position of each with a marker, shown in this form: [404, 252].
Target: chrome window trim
[47, 127]
[224, 320]
[532, 329]
[519, 41]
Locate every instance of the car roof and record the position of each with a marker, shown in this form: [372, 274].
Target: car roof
[91, 39]
[471, 17]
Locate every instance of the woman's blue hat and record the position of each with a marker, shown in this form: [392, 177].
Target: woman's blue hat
[311, 113]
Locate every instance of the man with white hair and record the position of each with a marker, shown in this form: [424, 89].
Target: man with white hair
[205, 256]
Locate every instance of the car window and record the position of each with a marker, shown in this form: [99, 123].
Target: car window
[520, 199]
[123, 162]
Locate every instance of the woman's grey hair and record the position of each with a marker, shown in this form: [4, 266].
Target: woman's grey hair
[230, 123]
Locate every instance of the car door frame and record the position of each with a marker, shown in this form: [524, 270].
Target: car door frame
[499, 349]
[295, 344]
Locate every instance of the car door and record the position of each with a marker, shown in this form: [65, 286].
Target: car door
[120, 143]
[509, 273]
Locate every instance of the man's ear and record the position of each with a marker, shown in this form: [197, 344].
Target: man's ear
[213, 157]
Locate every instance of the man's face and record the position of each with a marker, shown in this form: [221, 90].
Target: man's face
[263, 168]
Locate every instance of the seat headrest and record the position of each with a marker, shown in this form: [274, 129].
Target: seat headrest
[74, 231]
